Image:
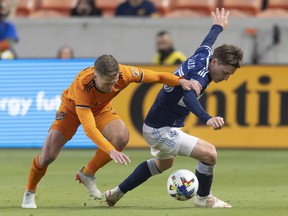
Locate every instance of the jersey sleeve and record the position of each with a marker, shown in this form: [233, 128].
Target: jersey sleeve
[166, 78]
[210, 39]
[194, 106]
[131, 74]
[135, 74]
[87, 120]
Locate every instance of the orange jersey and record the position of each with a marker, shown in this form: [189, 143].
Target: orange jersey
[83, 92]
[89, 101]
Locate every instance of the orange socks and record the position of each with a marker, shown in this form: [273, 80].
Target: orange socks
[36, 173]
[99, 160]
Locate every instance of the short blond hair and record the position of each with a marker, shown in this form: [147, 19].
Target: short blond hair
[106, 65]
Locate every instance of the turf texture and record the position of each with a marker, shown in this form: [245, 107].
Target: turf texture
[255, 182]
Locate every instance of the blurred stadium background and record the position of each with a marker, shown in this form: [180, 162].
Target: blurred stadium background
[254, 103]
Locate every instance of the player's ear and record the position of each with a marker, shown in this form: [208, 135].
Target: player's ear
[214, 61]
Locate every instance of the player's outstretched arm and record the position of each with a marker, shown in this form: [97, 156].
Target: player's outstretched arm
[220, 17]
[171, 80]
[87, 120]
[188, 85]
[135, 74]
[220, 22]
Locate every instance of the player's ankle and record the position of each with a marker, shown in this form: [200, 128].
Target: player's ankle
[31, 190]
[88, 172]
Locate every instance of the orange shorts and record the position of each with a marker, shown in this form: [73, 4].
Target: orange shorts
[67, 121]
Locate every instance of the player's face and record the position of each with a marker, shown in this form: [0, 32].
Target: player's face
[105, 83]
[220, 72]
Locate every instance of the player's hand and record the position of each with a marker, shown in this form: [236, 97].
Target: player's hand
[220, 17]
[188, 85]
[119, 157]
[216, 122]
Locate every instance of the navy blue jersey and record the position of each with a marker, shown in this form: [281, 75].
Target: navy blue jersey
[173, 104]
[146, 8]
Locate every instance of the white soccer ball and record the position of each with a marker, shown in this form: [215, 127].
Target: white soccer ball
[182, 185]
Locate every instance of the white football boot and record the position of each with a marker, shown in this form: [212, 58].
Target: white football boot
[29, 200]
[113, 196]
[210, 202]
[89, 183]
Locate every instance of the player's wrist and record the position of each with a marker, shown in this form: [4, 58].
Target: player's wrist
[219, 26]
[180, 80]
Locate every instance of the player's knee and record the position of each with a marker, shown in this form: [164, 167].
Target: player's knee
[208, 154]
[120, 140]
[45, 159]
[211, 155]
[49, 160]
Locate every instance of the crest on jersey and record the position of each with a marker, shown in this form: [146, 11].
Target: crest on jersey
[135, 72]
[60, 115]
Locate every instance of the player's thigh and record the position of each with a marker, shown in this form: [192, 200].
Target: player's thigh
[164, 142]
[63, 129]
[112, 127]
[205, 152]
[164, 164]
[66, 120]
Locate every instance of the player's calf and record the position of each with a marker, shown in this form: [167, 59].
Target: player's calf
[141, 173]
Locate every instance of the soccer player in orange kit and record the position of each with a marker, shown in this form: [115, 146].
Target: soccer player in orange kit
[87, 101]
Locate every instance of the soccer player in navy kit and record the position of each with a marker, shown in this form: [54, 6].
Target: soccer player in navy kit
[162, 127]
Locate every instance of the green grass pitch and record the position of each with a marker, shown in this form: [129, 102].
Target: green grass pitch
[254, 182]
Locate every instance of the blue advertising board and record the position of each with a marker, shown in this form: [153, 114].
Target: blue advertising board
[30, 94]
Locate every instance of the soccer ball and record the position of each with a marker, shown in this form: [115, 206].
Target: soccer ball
[182, 185]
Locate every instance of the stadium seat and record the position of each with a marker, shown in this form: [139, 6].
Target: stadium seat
[273, 13]
[62, 6]
[183, 13]
[108, 7]
[203, 6]
[163, 6]
[278, 4]
[26, 7]
[47, 14]
[249, 7]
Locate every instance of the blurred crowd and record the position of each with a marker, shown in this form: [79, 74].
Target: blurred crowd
[166, 52]
[146, 8]
[8, 33]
